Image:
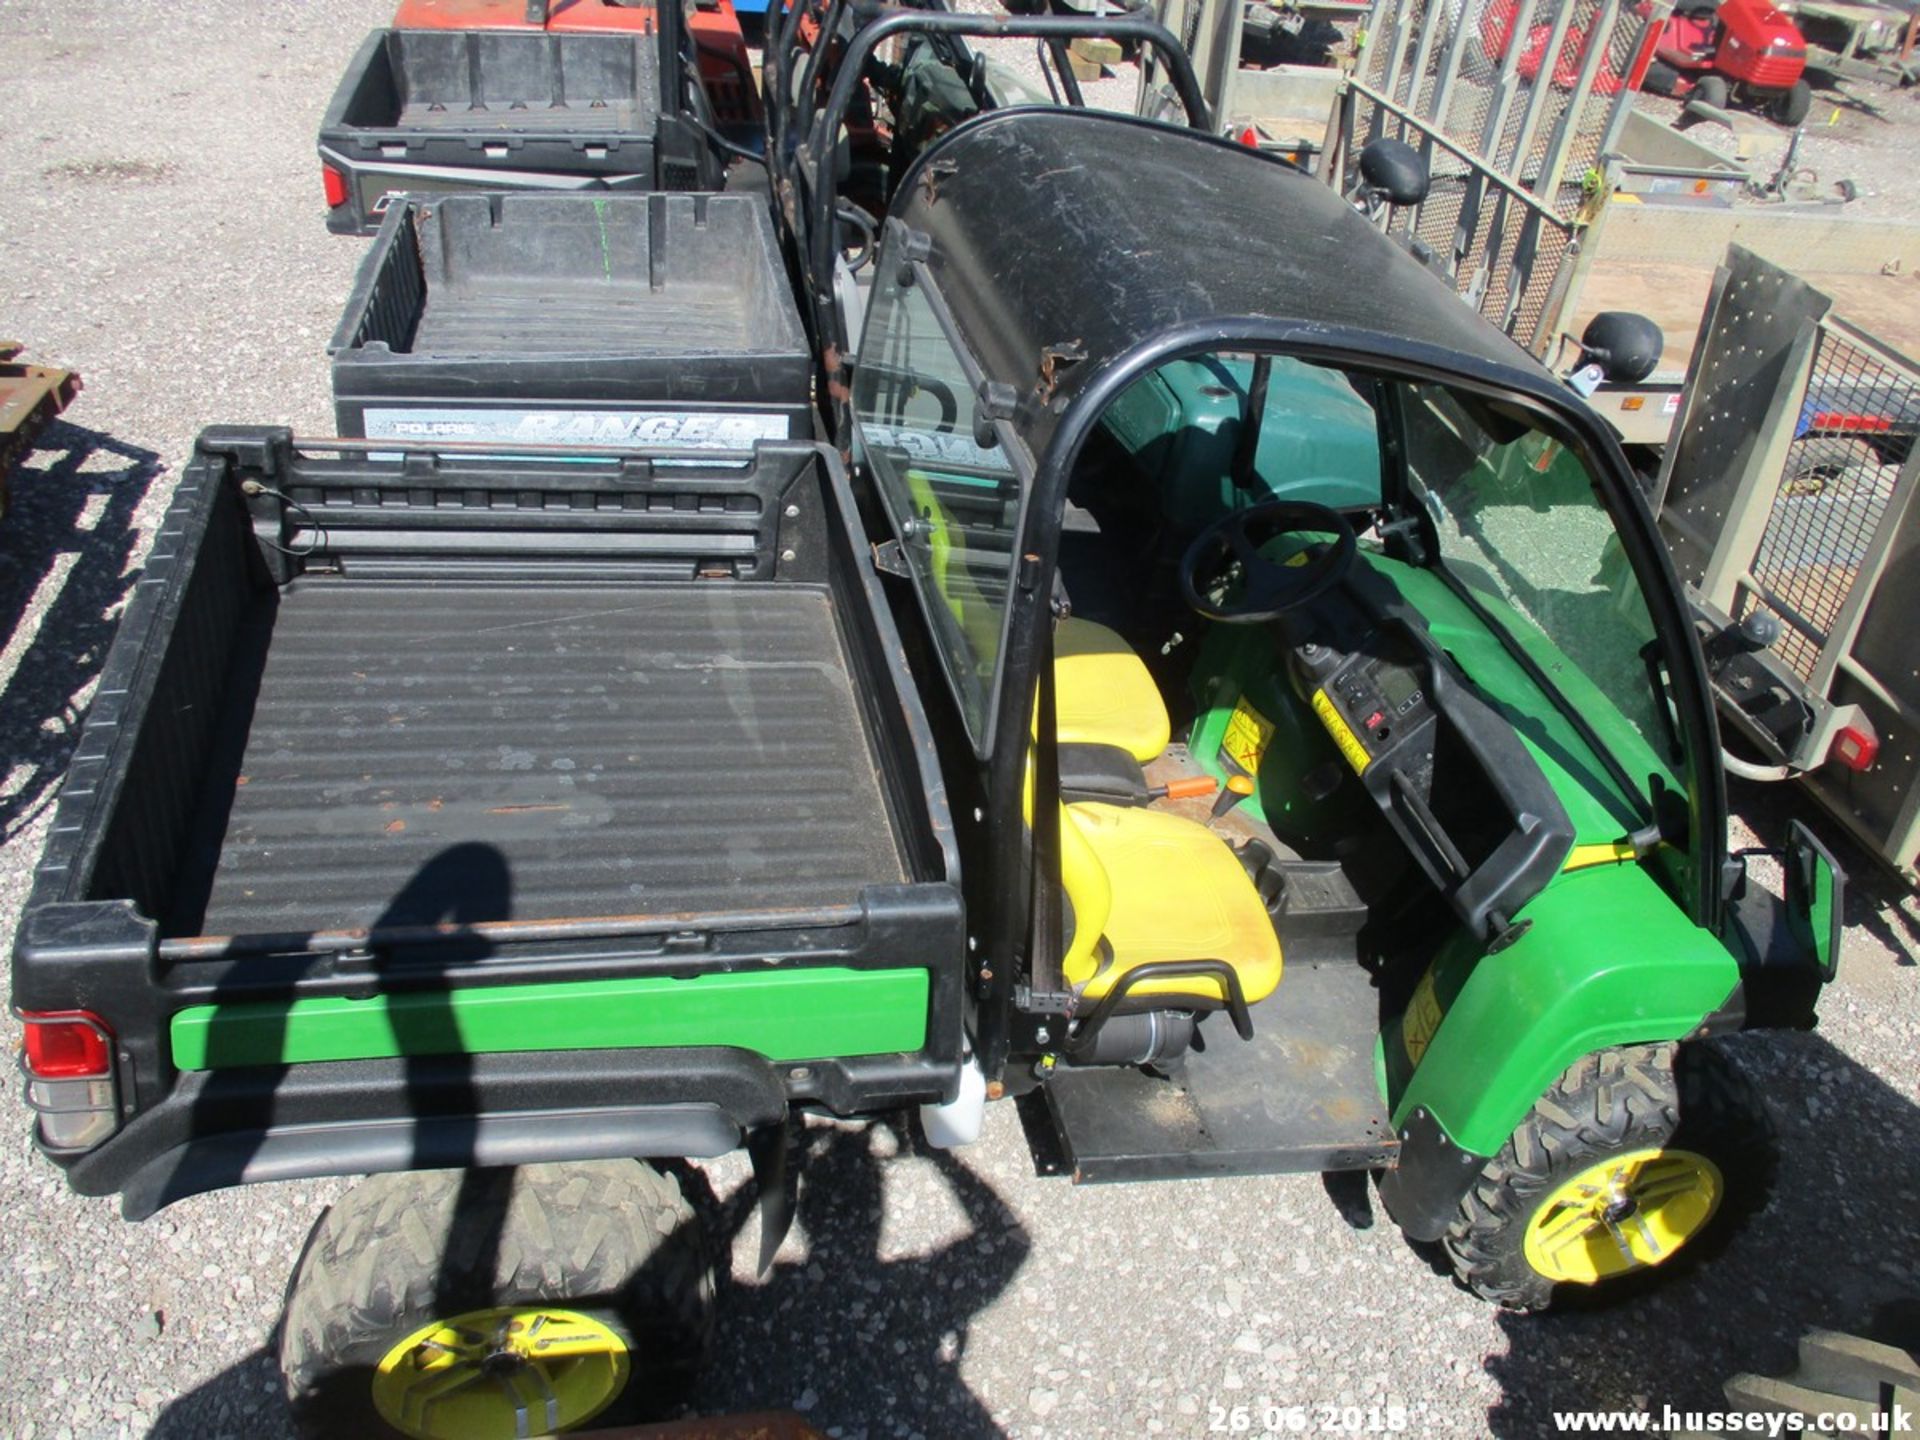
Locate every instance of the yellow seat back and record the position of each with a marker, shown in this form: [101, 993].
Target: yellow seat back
[1084, 879]
[1089, 892]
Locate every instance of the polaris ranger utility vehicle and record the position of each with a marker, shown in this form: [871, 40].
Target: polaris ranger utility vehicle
[451, 97]
[1338, 794]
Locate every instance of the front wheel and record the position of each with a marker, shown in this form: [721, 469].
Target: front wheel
[1713, 90]
[1641, 1158]
[1791, 106]
[464, 1305]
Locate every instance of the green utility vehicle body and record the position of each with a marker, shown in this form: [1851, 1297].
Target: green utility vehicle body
[1122, 407]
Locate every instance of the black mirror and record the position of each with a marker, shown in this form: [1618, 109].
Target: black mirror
[984, 435]
[1624, 345]
[1394, 168]
[1816, 898]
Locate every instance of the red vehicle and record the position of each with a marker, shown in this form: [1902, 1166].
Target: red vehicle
[1496, 25]
[1743, 50]
[725, 68]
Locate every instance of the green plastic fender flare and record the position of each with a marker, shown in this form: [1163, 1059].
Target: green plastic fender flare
[1609, 960]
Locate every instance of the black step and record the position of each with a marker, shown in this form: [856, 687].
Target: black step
[1299, 1097]
[1317, 901]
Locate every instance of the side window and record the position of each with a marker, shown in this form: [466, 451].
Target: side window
[954, 504]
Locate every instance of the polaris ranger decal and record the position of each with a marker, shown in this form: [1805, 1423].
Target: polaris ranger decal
[698, 430]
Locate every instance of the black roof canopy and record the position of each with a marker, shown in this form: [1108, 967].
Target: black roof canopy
[1053, 228]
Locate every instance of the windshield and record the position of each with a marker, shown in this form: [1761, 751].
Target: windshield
[954, 504]
[1521, 525]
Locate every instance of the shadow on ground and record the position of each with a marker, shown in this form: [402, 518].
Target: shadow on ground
[1836, 1249]
[66, 548]
[857, 1340]
[877, 1341]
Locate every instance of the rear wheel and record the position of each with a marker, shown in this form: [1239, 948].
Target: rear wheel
[1660, 79]
[1790, 107]
[1640, 1159]
[1712, 90]
[474, 1304]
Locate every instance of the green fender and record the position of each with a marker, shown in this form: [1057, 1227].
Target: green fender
[1609, 960]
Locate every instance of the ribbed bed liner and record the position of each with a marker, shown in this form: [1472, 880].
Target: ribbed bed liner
[486, 315]
[471, 752]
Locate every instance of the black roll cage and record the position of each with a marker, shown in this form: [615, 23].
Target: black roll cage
[800, 146]
[1010, 932]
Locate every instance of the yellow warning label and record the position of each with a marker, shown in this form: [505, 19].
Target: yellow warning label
[1423, 1017]
[1342, 733]
[1248, 732]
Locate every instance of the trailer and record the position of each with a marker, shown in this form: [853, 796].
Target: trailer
[31, 396]
[1786, 499]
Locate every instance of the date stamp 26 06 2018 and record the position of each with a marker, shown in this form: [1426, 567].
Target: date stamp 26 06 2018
[1264, 1417]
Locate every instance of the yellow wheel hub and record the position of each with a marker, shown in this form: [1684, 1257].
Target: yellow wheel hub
[1624, 1214]
[507, 1372]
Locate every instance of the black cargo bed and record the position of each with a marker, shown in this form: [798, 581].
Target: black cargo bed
[541, 752]
[603, 319]
[362, 701]
[459, 110]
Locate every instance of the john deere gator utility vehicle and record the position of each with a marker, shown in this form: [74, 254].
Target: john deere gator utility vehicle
[1241, 702]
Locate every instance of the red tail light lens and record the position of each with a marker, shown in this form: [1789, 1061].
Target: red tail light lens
[336, 186]
[1855, 747]
[67, 1045]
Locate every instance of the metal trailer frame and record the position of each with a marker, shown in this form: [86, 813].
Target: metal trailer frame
[1516, 161]
[1789, 491]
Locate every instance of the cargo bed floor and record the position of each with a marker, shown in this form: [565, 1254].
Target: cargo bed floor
[487, 315]
[405, 755]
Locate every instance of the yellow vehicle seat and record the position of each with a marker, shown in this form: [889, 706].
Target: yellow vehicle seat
[1103, 693]
[1146, 885]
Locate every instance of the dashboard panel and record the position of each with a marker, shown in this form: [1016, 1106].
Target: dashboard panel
[1447, 771]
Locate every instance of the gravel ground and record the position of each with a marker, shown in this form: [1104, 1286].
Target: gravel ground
[1860, 129]
[160, 230]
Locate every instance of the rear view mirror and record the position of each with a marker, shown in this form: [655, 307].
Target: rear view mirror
[1394, 169]
[1816, 898]
[1624, 345]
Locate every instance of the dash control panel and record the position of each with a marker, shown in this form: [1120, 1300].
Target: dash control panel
[1366, 704]
[1376, 698]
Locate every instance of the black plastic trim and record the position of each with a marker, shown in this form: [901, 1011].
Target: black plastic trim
[1424, 1189]
[309, 1152]
[222, 1128]
[1780, 978]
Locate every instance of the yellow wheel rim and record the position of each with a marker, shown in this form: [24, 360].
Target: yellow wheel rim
[507, 1372]
[1624, 1214]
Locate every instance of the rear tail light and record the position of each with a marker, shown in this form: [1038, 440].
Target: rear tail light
[336, 186]
[1856, 747]
[68, 1059]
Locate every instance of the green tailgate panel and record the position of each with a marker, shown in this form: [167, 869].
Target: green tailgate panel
[801, 1014]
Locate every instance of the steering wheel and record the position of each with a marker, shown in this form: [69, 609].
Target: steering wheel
[1268, 589]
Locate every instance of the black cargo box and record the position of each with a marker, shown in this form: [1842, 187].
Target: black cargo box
[454, 110]
[573, 319]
